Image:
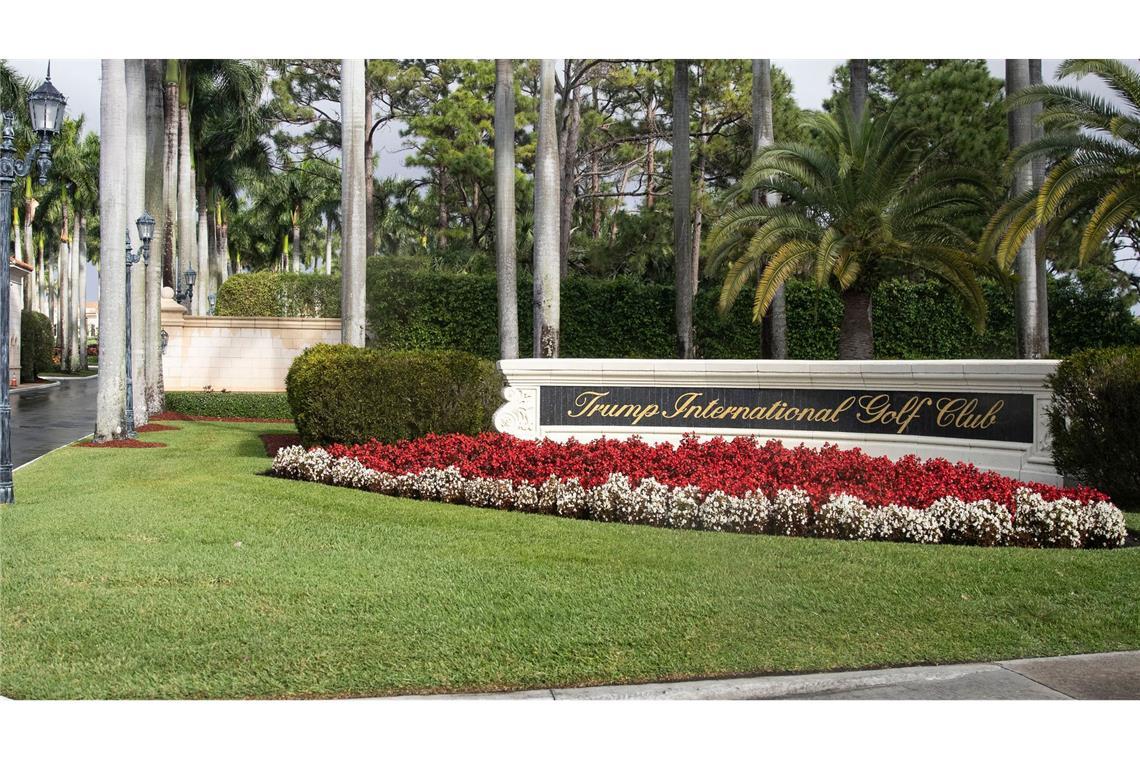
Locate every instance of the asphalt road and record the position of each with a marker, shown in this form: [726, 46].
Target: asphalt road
[46, 419]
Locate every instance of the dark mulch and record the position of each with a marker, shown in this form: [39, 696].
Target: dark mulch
[154, 427]
[123, 443]
[275, 441]
[179, 416]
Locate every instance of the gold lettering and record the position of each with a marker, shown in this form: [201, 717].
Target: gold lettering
[587, 401]
[682, 404]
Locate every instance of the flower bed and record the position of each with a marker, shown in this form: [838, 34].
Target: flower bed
[739, 485]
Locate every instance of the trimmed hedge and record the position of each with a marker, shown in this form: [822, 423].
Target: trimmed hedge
[262, 406]
[1094, 421]
[411, 307]
[36, 345]
[344, 394]
[279, 294]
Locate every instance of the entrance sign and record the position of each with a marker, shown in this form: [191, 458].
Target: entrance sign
[990, 413]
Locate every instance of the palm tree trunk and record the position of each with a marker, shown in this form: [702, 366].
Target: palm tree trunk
[205, 276]
[858, 68]
[569, 150]
[1039, 237]
[187, 235]
[369, 189]
[223, 246]
[702, 162]
[682, 231]
[328, 245]
[546, 223]
[172, 264]
[353, 202]
[154, 204]
[75, 308]
[295, 235]
[505, 252]
[856, 334]
[136, 201]
[81, 312]
[112, 280]
[63, 329]
[1020, 133]
[30, 204]
[774, 329]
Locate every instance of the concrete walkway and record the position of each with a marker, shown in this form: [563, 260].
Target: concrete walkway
[1114, 675]
[44, 419]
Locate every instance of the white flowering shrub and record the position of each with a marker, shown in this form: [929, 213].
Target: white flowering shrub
[1038, 522]
[614, 501]
[846, 517]
[685, 506]
[1034, 521]
[718, 512]
[982, 523]
[655, 502]
[526, 498]
[1101, 525]
[790, 513]
[350, 473]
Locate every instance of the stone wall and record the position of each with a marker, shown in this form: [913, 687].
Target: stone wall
[235, 353]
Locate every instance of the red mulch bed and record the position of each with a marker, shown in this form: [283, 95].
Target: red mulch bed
[275, 441]
[179, 416]
[123, 443]
[154, 427]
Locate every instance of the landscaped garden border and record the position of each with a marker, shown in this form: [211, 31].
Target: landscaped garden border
[741, 485]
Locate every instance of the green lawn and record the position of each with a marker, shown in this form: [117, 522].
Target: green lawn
[181, 572]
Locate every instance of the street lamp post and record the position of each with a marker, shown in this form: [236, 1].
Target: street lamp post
[46, 106]
[184, 288]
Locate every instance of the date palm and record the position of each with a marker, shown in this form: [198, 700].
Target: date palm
[859, 205]
[1093, 146]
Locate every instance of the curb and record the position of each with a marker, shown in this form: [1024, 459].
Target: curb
[53, 383]
[58, 378]
[57, 448]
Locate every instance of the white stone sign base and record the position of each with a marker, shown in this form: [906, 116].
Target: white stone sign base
[1024, 381]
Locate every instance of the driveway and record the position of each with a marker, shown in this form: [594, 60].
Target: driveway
[46, 419]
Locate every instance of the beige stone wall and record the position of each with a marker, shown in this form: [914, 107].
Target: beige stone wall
[235, 353]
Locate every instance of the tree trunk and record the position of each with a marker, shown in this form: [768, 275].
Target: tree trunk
[63, 330]
[224, 248]
[1039, 236]
[353, 201]
[858, 67]
[136, 199]
[187, 248]
[205, 282]
[172, 265]
[856, 334]
[81, 314]
[569, 150]
[1020, 133]
[369, 190]
[112, 279]
[650, 147]
[77, 345]
[328, 245]
[30, 205]
[617, 205]
[444, 215]
[698, 215]
[682, 187]
[295, 239]
[546, 197]
[774, 329]
[505, 252]
[155, 204]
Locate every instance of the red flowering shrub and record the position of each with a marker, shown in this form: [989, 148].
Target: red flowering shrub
[734, 467]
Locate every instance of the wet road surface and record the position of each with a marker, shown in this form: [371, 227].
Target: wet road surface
[46, 419]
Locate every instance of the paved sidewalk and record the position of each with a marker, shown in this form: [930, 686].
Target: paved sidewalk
[44, 419]
[1114, 675]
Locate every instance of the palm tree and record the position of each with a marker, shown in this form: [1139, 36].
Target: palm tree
[353, 211]
[1094, 149]
[112, 217]
[505, 251]
[136, 200]
[155, 204]
[857, 209]
[546, 220]
[775, 337]
[682, 229]
[172, 264]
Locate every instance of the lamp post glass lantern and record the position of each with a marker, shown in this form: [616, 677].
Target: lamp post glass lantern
[45, 107]
[184, 288]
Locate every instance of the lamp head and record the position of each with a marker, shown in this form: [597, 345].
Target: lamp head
[46, 106]
[145, 224]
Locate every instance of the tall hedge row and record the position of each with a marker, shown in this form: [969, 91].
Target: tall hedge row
[412, 307]
[36, 345]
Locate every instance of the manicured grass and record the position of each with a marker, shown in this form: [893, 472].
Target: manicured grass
[181, 572]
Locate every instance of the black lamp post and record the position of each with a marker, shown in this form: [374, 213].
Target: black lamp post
[46, 106]
[184, 288]
[145, 225]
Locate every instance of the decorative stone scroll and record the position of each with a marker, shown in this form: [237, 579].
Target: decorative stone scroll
[991, 413]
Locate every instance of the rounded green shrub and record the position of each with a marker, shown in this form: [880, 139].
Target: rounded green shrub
[344, 394]
[36, 345]
[1094, 421]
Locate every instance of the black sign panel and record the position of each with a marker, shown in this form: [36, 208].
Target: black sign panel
[950, 414]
